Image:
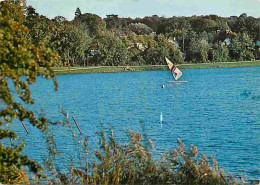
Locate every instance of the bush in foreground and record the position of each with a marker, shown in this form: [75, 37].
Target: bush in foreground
[133, 163]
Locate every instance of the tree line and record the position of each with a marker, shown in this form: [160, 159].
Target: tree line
[89, 39]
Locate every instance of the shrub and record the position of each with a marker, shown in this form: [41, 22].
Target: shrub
[20, 63]
[113, 51]
[133, 163]
[220, 53]
[241, 48]
[14, 175]
[140, 28]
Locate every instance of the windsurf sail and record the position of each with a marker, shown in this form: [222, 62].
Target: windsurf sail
[176, 73]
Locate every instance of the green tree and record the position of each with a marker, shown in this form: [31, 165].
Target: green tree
[117, 23]
[40, 28]
[253, 27]
[221, 23]
[113, 51]
[242, 47]
[140, 28]
[59, 18]
[77, 12]
[177, 28]
[149, 21]
[168, 26]
[245, 24]
[137, 44]
[91, 24]
[70, 42]
[163, 48]
[220, 53]
[131, 40]
[200, 24]
[18, 59]
[198, 47]
[240, 24]
[61, 35]
[31, 11]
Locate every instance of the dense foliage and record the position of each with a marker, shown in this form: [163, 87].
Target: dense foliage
[87, 39]
[19, 59]
[134, 163]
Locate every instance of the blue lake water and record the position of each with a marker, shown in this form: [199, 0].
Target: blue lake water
[218, 110]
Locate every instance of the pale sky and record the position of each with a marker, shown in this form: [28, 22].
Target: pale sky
[141, 8]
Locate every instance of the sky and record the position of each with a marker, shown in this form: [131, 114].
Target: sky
[141, 8]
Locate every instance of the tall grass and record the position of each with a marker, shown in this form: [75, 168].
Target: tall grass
[133, 163]
[129, 163]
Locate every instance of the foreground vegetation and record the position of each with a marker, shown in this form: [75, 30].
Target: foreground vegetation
[131, 163]
[113, 69]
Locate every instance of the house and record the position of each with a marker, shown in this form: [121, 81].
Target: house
[138, 46]
[173, 41]
[258, 43]
[257, 52]
[153, 34]
[112, 16]
[93, 49]
[224, 37]
[227, 41]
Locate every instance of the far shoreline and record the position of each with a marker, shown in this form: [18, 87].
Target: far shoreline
[116, 69]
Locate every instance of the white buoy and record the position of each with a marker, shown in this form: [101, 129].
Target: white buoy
[161, 119]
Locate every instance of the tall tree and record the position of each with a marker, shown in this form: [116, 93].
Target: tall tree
[242, 47]
[163, 48]
[113, 51]
[149, 21]
[77, 12]
[60, 18]
[70, 42]
[31, 11]
[117, 23]
[90, 23]
[20, 63]
[219, 53]
[140, 28]
[201, 24]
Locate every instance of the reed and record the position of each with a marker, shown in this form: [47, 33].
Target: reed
[133, 163]
[125, 163]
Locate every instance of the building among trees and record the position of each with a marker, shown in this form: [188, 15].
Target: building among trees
[112, 16]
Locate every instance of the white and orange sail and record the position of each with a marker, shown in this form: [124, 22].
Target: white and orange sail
[176, 73]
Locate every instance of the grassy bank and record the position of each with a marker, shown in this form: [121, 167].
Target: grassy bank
[112, 69]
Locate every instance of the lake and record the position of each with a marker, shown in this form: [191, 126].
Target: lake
[217, 111]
